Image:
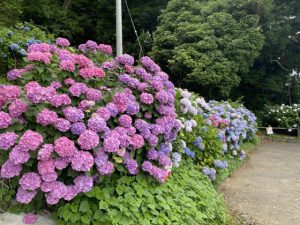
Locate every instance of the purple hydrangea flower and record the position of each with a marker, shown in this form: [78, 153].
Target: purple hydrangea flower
[88, 140]
[30, 181]
[83, 183]
[82, 161]
[7, 140]
[78, 128]
[24, 196]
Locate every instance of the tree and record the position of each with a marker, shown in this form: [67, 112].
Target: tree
[268, 81]
[81, 20]
[206, 44]
[10, 12]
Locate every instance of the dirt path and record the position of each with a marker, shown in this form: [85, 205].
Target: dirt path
[267, 187]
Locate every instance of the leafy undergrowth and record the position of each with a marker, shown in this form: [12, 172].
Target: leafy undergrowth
[187, 198]
[234, 164]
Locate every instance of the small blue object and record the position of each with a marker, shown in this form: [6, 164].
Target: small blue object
[38, 41]
[26, 28]
[188, 152]
[1, 40]
[22, 52]
[14, 46]
[4, 56]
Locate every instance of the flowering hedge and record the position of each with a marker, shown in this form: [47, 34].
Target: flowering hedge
[213, 129]
[283, 116]
[71, 120]
[14, 43]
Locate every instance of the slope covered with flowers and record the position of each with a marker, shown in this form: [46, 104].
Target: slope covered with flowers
[70, 120]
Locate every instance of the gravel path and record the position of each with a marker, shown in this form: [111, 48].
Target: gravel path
[267, 187]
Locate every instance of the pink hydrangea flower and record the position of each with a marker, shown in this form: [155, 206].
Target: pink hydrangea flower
[82, 161]
[40, 57]
[7, 140]
[69, 81]
[5, 120]
[137, 141]
[46, 117]
[111, 144]
[83, 183]
[10, 170]
[83, 61]
[67, 65]
[93, 95]
[45, 152]
[17, 156]
[30, 218]
[24, 196]
[106, 49]
[91, 72]
[17, 108]
[30, 140]
[39, 47]
[146, 98]
[62, 42]
[88, 140]
[64, 147]
[30, 181]
[125, 121]
[46, 167]
[62, 125]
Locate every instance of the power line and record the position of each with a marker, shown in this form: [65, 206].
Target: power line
[135, 31]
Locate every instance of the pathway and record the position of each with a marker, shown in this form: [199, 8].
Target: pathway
[267, 187]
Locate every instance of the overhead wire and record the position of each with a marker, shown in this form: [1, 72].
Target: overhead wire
[141, 53]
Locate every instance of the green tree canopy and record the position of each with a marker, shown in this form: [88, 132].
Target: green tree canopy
[267, 81]
[206, 44]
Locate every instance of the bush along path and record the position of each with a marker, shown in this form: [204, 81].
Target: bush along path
[100, 140]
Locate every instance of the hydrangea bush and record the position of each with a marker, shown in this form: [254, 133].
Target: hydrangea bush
[70, 120]
[283, 116]
[14, 43]
[210, 130]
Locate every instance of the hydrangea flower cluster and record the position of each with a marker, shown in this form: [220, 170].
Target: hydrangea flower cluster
[88, 128]
[200, 119]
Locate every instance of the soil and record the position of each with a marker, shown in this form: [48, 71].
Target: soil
[266, 189]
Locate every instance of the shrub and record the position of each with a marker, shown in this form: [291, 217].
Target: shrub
[187, 198]
[283, 116]
[72, 121]
[14, 43]
[211, 128]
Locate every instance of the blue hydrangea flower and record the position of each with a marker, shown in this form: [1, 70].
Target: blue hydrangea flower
[189, 152]
[203, 129]
[176, 158]
[26, 28]
[14, 46]
[22, 52]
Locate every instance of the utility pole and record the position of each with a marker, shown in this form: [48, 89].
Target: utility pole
[119, 27]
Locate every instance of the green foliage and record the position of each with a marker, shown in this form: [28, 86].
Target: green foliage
[10, 12]
[206, 44]
[267, 82]
[20, 35]
[81, 20]
[187, 198]
[282, 116]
